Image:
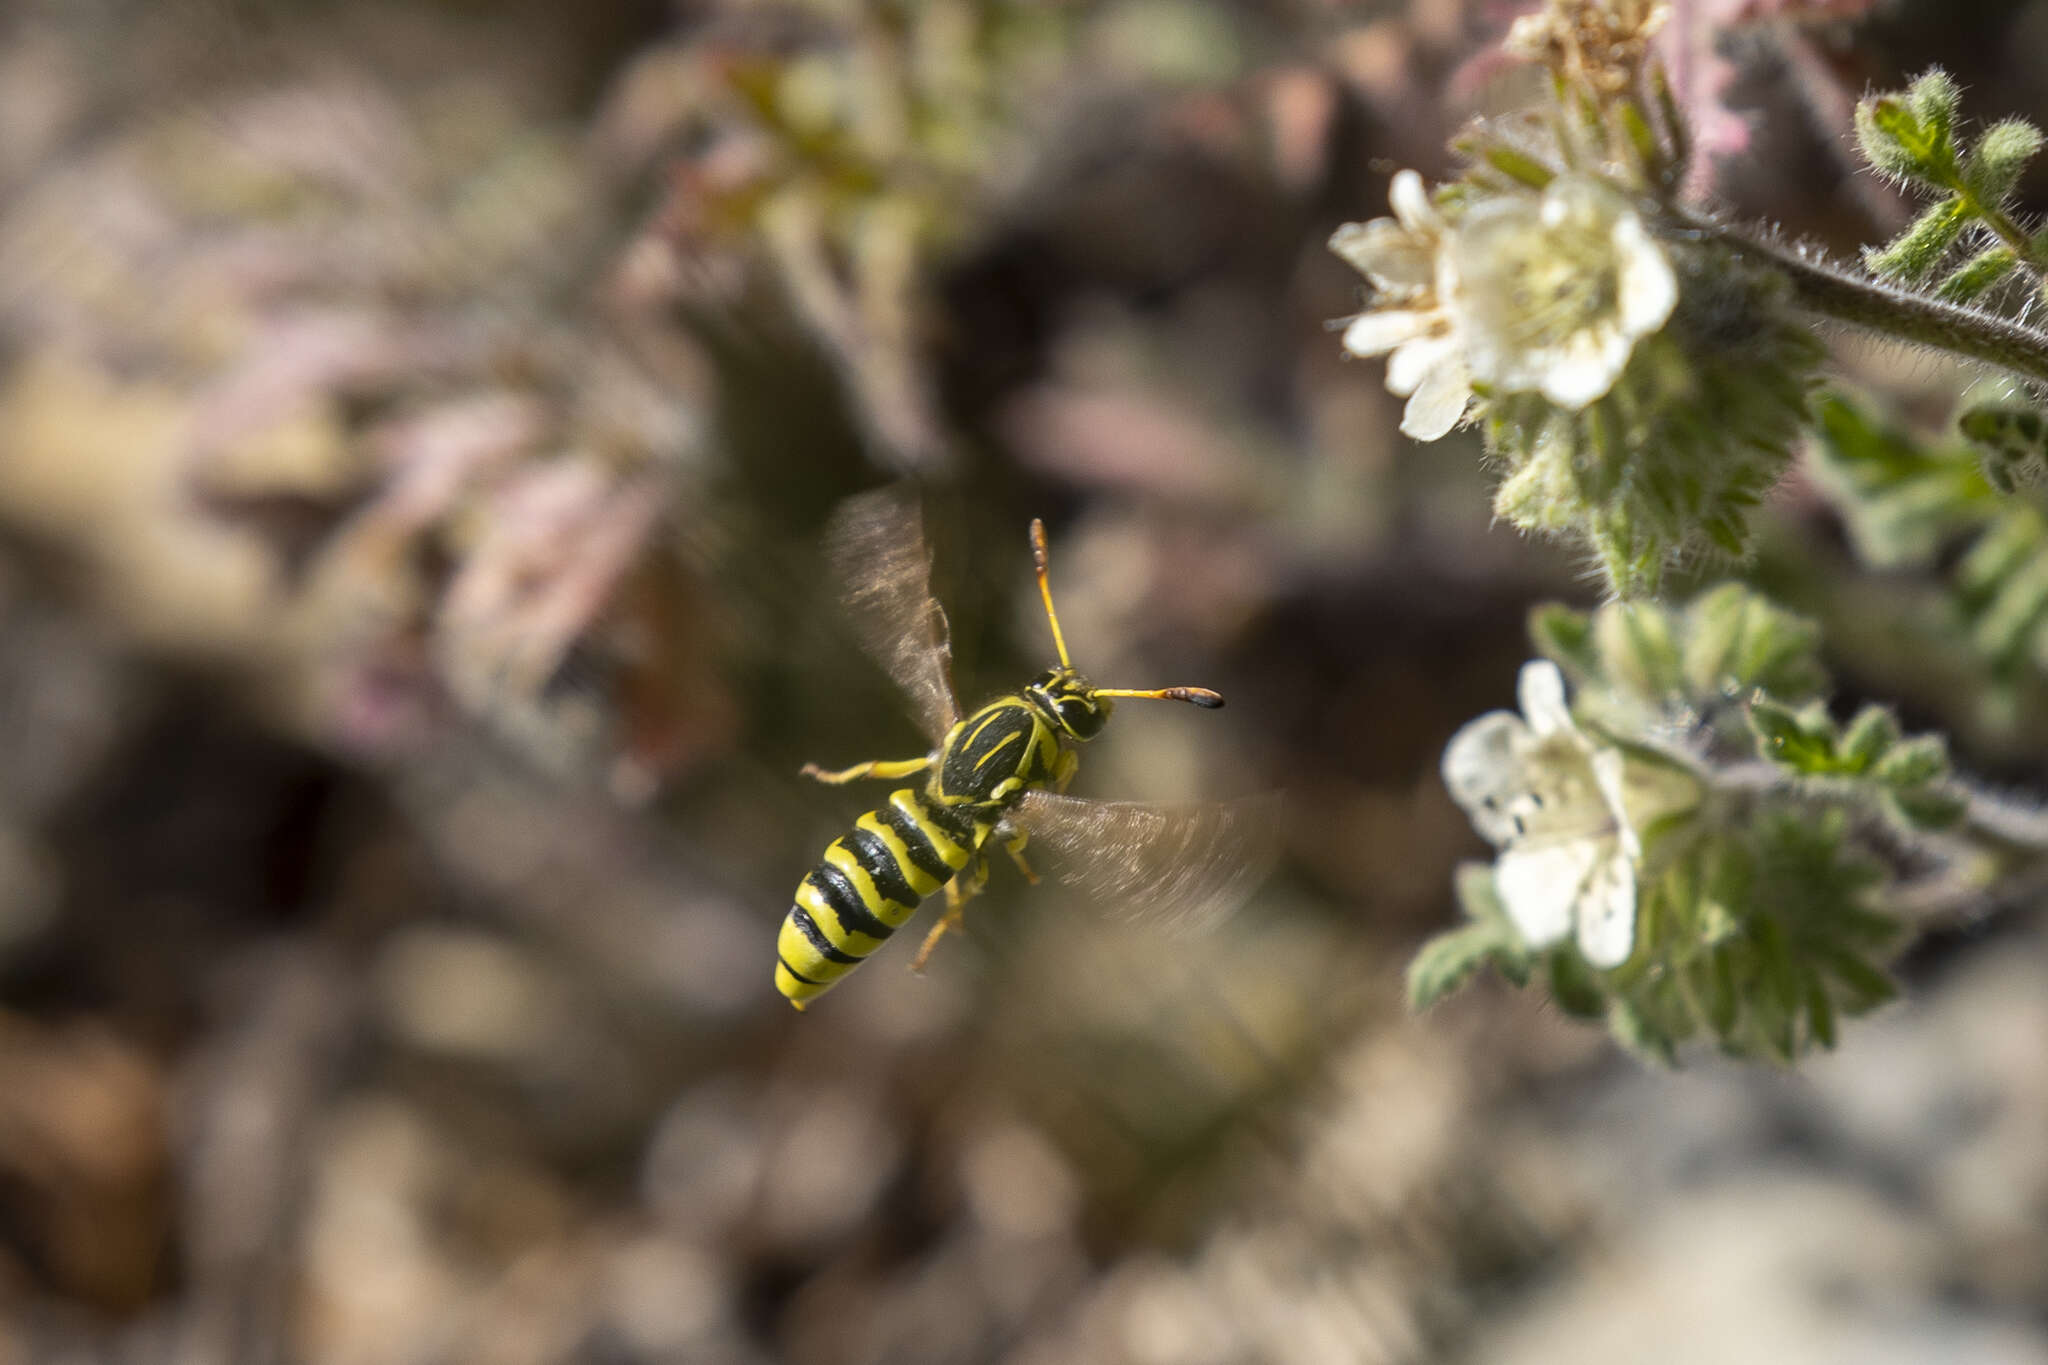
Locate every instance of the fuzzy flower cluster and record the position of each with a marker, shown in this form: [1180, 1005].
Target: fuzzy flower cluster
[1600, 47]
[1526, 293]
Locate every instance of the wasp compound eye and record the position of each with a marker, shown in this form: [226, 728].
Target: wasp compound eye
[1081, 717]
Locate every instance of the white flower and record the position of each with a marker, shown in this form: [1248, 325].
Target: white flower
[1552, 292]
[1527, 293]
[1565, 812]
[1404, 258]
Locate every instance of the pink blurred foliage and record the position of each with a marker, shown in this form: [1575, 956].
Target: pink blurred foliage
[558, 537]
[431, 458]
[349, 297]
[1693, 46]
[1128, 439]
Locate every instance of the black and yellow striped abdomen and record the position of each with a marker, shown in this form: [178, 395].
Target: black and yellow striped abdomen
[871, 880]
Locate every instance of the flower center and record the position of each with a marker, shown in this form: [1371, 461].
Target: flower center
[1535, 279]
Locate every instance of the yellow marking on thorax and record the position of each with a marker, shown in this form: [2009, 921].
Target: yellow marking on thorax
[983, 761]
[987, 718]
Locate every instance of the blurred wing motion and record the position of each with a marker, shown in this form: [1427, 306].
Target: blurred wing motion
[875, 546]
[1186, 866]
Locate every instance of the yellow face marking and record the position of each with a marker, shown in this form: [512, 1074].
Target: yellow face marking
[920, 881]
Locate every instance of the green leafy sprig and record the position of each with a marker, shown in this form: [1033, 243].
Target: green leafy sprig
[1909, 502]
[1967, 240]
[1867, 759]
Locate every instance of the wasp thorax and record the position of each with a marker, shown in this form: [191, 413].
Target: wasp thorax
[1068, 700]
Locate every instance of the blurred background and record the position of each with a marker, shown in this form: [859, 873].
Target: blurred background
[416, 420]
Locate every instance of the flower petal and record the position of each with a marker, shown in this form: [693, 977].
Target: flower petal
[1387, 253]
[1610, 775]
[1411, 204]
[1649, 287]
[1379, 332]
[1484, 767]
[1440, 402]
[1606, 911]
[1416, 360]
[1540, 885]
[1584, 367]
[1539, 689]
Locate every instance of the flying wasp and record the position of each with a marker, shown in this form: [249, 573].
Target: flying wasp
[997, 775]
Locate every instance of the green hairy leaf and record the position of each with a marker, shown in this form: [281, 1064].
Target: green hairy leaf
[1448, 961]
[1574, 986]
[1736, 639]
[1928, 808]
[1770, 940]
[1903, 498]
[1916, 138]
[1915, 762]
[1800, 741]
[2013, 439]
[1869, 739]
[1914, 253]
[1867, 760]
[1899, 136]
[1637, 658]
[1976, 276]
[1565, 637]
[2000, 156]
[1642, 1033]
[1935, 98]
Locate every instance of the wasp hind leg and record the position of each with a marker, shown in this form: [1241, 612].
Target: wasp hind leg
[1015, 847]
[886, 769]
[959, 891]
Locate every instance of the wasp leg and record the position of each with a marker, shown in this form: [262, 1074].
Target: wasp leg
[1016, 850]
[957, 896]
[1063, 771]
[882, 768]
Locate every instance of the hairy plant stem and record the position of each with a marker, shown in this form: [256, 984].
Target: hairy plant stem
[2011, 233]
[1995, 856]
[2012, 830]
[1829, 291]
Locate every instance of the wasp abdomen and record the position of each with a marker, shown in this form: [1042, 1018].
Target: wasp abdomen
[870, 881]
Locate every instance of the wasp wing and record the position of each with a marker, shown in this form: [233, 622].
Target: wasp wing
[876, 548]
[1184, 866]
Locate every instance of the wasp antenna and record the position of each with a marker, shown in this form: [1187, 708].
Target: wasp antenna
[1039, 561]
[1199, 696]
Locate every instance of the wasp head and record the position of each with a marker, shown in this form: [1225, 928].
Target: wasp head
[1070, 702]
